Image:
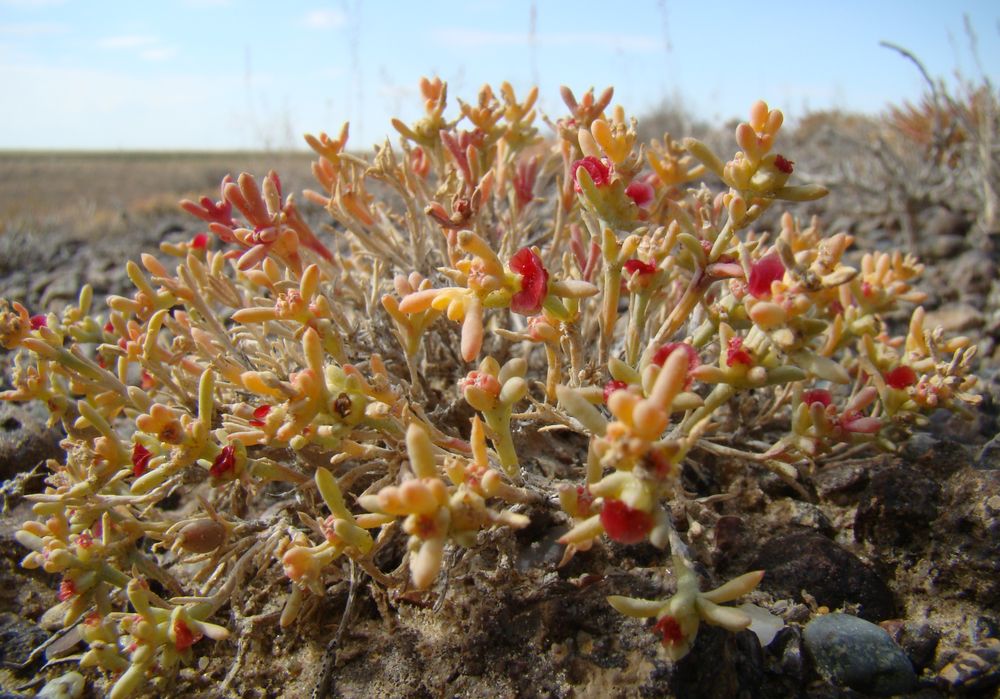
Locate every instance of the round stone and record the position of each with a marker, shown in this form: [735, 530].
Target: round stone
[852, 652]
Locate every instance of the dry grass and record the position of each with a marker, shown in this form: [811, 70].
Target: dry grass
[83, 194]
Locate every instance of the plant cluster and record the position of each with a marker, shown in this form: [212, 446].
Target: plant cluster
[580, 282]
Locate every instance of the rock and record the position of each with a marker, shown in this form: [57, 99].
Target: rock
[68, 686]
[942, 223]
[24, 438]
[897, 508]
[918, 639]
[786, 652]
[974, 670]
[832, 575]
[971, 273]
[954, 317]
[945, 247]
[722, 664]
[989, 455]
[938, 457]
[801, 514]
[966, 537]
[851, 652]
[838, 482]
[18, 638]
[730, 534]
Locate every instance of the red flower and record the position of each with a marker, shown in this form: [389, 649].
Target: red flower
[184, 637]
[670, 630]
[901, 377]
[38, 321]
[599, 172]
[224, 463]
[623, 523]
[666, 350]
[784, 164]
[635, 266]
[735, 354]
[67, 588]
[694, 361]
[641, 193]
[259, 414]
[140, 459]
[534, 282]
[200, 241]
[818, 395]
[612, 386]
[763, 272]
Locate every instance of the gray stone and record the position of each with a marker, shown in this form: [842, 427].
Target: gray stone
[989, 456]
[24, 438]
[954, 318]
[851, 652]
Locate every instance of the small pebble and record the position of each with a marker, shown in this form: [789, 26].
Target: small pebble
[974, 670]
[68, 686]
[852, 652]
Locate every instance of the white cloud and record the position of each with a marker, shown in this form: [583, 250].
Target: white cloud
[466, 38]
[30, 29]
[32, 4]
[127, 41]
[323, 19]
[145, 46]
[157, 53]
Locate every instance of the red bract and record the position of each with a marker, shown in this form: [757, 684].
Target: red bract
[612, 386]
[634, 266]
[38, 321]
[67, 588]
[623, 523]
[817, 395]
[763, 272]
[670, 630]
[140, 460]
[599, 172]
[694, 361]
[901, 377]
[184, 637]
[666, 350]
[534, 282]
[259, 414]
[641, 193]
[735, 354]
[784, 164]
[224, 463]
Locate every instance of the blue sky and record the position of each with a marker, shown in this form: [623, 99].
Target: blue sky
[195, 74]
